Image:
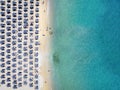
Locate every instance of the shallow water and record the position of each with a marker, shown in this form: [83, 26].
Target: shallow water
[86, 45]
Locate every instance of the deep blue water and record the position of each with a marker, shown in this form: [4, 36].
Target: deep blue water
[86, 45]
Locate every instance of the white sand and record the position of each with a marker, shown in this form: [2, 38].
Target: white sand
[45, 69]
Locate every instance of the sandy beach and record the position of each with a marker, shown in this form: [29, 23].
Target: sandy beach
[45, 37]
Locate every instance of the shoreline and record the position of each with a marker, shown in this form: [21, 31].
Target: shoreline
[45, 46]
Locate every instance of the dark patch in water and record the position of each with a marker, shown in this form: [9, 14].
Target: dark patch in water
[56, 58]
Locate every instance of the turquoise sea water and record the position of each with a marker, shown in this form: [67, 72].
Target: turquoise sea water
[86, 45]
